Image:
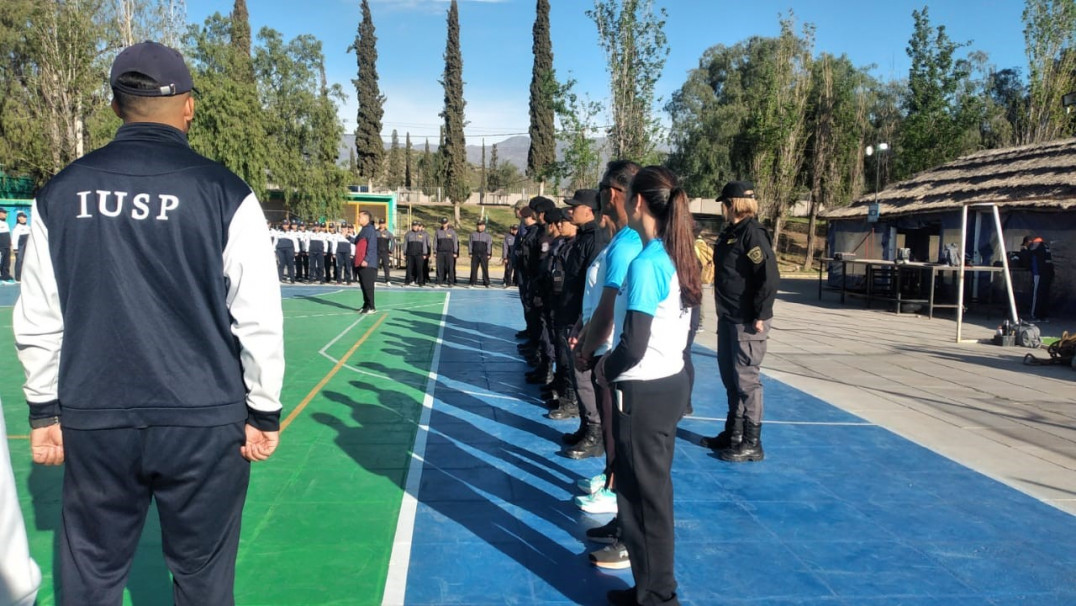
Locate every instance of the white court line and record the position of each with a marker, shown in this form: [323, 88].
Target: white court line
[769, 422]
[340, 336]
[396, 579]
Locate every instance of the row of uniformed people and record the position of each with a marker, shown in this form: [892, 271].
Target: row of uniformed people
[318, 255]
[418, 246]
[634, 334]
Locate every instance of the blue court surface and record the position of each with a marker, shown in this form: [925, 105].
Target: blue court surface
[840, 512]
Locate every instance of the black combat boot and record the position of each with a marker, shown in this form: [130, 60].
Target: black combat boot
[571, 439]
[730, 438]
[590, 446]
[750, 449]
[568, 407]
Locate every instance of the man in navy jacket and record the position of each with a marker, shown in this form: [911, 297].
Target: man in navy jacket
[172, 348]
[366, 260]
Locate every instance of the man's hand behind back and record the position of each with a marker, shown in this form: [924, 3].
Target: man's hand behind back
[47, 445]
[260, 444]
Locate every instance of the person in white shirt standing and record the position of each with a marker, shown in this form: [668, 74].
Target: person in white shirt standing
[19, 236]
[646, 372]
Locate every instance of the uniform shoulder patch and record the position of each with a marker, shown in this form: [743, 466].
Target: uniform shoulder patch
[755, 254]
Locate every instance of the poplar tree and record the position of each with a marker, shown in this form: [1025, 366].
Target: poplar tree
[394, 175]
[633, 38]
[241, 42]
[369, 148]
[407, 161]
[543, 148]
[492, 181]
[453, 151]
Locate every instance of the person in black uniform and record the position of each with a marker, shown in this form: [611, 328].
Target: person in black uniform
[589, 242]
[416, 251]
[539, 348]
[366, 260]
[745, 286]
[187, 366]
[385, 246]
[448, 250]
[480, 245]
[5, 248]
[564, 401]
[507, 260]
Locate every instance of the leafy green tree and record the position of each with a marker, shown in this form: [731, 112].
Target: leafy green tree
[454, 149]
[580, 167]
[933, 128]
[543, 145]
[369, 147]
[301, 120]
[1050, 38]
[632, 35]
[229, 120]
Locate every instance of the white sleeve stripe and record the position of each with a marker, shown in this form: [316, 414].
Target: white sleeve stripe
[254, 305]
[37, 320]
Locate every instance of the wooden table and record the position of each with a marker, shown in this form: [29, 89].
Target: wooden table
[899, 270]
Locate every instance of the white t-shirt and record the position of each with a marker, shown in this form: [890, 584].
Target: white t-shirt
[652, 287]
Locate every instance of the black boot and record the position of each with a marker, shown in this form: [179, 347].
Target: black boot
[571, 439]
[590, 446]
[568, 407]
[750, 449]
[543, 373]
[730, 438]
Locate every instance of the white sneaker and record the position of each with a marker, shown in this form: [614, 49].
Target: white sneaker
[603, 501]
[591, 485]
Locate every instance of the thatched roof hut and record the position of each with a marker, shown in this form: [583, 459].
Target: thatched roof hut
[1041, 176]
[1034, 186]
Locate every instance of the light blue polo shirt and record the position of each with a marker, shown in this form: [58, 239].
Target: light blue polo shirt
[653, 288]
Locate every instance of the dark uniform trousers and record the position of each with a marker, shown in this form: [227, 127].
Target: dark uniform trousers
[285, 261]
[199, 482]
[645, 441]
[367, 277]
[344, 270]
[414, 272]
[446, 267]
[739, 355]
[509, 272]
[317, 265]
[604, 399]
[480, 259]
[384, 261]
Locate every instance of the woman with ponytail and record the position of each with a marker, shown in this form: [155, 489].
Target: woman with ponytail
[645, 370]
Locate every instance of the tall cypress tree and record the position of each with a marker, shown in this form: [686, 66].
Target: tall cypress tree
[241, 42]
[394, 174]
[407, 162]
[543, 150]
[453, 151]
[368, 145]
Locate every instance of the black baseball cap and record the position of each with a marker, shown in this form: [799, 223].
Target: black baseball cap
[541, 204]
[737, 189]
[585, 197]
[444, 220]
[554, 215]
[163, 65]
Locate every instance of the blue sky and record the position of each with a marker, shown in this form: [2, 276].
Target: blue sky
[496, 45]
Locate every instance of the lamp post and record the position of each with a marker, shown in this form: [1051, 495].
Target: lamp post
[874, 210]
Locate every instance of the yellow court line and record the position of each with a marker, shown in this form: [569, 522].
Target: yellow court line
[321, 384]
[18, 437]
